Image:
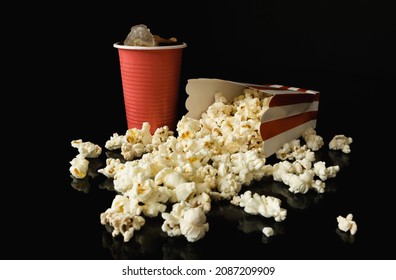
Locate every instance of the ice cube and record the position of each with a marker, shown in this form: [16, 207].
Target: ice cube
[140, 35]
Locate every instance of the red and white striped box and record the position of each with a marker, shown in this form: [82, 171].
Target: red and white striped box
[291, 110]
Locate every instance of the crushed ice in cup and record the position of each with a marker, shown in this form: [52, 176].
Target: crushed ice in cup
[140, 35]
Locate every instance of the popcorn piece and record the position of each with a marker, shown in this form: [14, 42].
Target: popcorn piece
[347, 224]
[187, 127]
[249, 166]
[123, 179]
[268, 231]
[160, 136]
[112, 166]
[114, 142]
[227, 187]
[312, 140]
[341, 142]
[87, 149]
[299, 183]
[185, 220]
[79, 167]
[202, 200]
[169, 178]
[171, 224]
[324, 172]
[136, 141]
[149, 198]
[122, 218]
[185, 190]
[287, 149]
[193, 224]
[124, 224]
[205, 176]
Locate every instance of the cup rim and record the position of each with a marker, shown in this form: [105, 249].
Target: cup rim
[119, 45]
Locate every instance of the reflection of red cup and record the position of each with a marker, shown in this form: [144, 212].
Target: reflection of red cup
[150, 82]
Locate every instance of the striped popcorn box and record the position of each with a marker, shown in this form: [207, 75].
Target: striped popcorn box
[291, 110]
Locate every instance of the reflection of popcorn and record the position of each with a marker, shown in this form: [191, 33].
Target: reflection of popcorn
[347, 224]
[87, 149]
[79, 167]
[267, 206]
[341, 142]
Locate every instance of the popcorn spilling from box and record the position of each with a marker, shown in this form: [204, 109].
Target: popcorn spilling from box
[285, 116]
[221, 146]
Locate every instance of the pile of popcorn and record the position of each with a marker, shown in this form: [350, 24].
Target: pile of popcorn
[211, 159]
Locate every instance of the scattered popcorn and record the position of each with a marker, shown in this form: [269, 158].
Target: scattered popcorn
[297, 177]
[210, 159]
[268, 231]
[136, 141]
[347, 224]
[87, 149]
[341, 142]
[266, 206]
[298, 170]
[79, 165]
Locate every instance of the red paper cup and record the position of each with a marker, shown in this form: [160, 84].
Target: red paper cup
[150, 81]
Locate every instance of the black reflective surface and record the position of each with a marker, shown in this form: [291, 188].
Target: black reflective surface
[62, 217]
[46, 214]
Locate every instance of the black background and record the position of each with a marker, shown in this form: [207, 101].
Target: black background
[72, 90]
